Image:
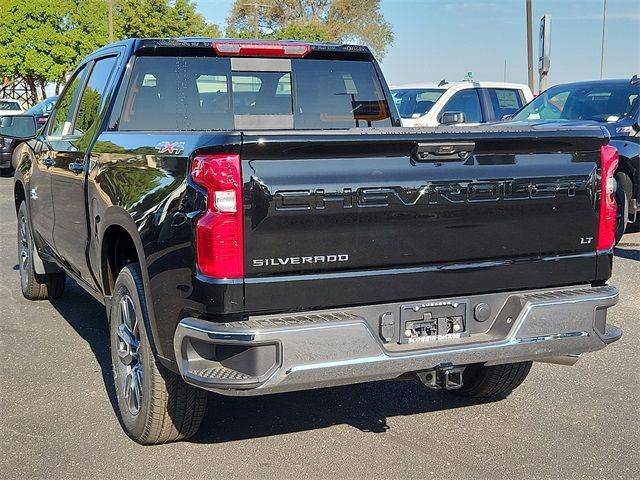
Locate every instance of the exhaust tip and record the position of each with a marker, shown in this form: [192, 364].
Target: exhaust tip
[568, 360]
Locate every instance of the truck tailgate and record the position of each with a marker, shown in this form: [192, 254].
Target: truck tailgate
[368, 216]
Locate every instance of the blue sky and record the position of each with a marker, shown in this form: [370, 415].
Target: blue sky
[436, 39]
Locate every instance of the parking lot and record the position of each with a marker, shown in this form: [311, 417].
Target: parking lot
[57, 417]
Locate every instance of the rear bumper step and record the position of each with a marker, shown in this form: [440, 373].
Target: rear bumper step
[320, 349]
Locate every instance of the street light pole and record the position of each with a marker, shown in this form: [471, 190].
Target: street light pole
[604, 17]
[530, 45]
[110, 8]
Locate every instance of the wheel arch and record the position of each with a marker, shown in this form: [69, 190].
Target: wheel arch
[19, 194]
[120, 245]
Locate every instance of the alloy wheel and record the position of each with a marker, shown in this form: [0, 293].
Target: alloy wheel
[128, 344]
[24, 253]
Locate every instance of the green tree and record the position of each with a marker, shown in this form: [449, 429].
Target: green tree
[161, 18]
[315, 20]
[32, 41]
[43, 40]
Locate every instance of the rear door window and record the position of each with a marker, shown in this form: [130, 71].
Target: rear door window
[204, 93]
[92, 96]
[468, 102]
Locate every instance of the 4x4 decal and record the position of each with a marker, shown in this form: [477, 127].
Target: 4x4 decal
[174, 148]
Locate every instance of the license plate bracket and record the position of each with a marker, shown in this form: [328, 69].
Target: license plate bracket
[432, 322]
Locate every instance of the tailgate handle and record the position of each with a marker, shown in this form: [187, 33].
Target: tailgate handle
[438, 152]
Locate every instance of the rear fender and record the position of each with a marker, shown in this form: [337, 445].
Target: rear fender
[119, 217]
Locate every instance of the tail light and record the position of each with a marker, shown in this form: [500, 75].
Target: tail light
[219, 236]
[608, 206]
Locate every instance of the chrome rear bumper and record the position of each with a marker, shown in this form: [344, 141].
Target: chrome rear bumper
[272, 354]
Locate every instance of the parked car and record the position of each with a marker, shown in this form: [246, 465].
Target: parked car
[10, 107]
[431, 104]
[40, 111]
[612, 104]
[246, 240]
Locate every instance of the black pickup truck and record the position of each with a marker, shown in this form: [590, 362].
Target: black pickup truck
[255, 220]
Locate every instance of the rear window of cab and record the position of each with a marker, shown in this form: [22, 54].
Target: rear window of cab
[210, 93]
[9, 105]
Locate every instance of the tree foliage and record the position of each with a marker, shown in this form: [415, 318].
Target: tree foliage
[314, 20]
[43, 40]
[161, 18]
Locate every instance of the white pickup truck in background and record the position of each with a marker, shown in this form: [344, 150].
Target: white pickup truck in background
[433, 104]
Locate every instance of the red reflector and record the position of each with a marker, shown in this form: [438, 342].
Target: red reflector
[608, 206]
[219, 235]
[261, 49]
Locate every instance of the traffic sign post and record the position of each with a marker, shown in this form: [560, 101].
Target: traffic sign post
[544, 61]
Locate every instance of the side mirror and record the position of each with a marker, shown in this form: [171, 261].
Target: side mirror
[451, 118]
[18, 127]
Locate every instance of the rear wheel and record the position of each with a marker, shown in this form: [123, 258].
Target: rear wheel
[156, 405]
[34, 286]
[480, 381]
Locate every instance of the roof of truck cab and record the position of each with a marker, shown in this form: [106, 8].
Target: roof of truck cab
[458, 85]
[199, 42]
[595, 83]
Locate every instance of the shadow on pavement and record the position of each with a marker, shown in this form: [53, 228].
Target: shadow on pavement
[629, 247]
[88, 318]
[365, 406]
[629, 254]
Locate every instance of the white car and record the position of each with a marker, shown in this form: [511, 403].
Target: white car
[10, 107]
[433, 104]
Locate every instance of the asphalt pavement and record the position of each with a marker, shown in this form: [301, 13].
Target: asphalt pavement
[57, 417]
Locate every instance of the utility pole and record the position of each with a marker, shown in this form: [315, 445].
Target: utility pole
[110, 8]
[256, 16]
[604, 17]
[529, 45]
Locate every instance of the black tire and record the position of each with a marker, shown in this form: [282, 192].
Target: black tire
[623, 194]
[34, 286]
[156, 405]
[480, 381]
[625, 182]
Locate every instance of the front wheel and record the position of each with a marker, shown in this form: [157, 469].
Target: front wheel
[480, 381]
[156, 405]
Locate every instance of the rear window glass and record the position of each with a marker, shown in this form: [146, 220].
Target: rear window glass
[205, 93]
[6, 105]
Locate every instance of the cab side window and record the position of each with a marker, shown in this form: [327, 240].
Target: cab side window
[468, 102]
[93, 94]
[63, 113]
